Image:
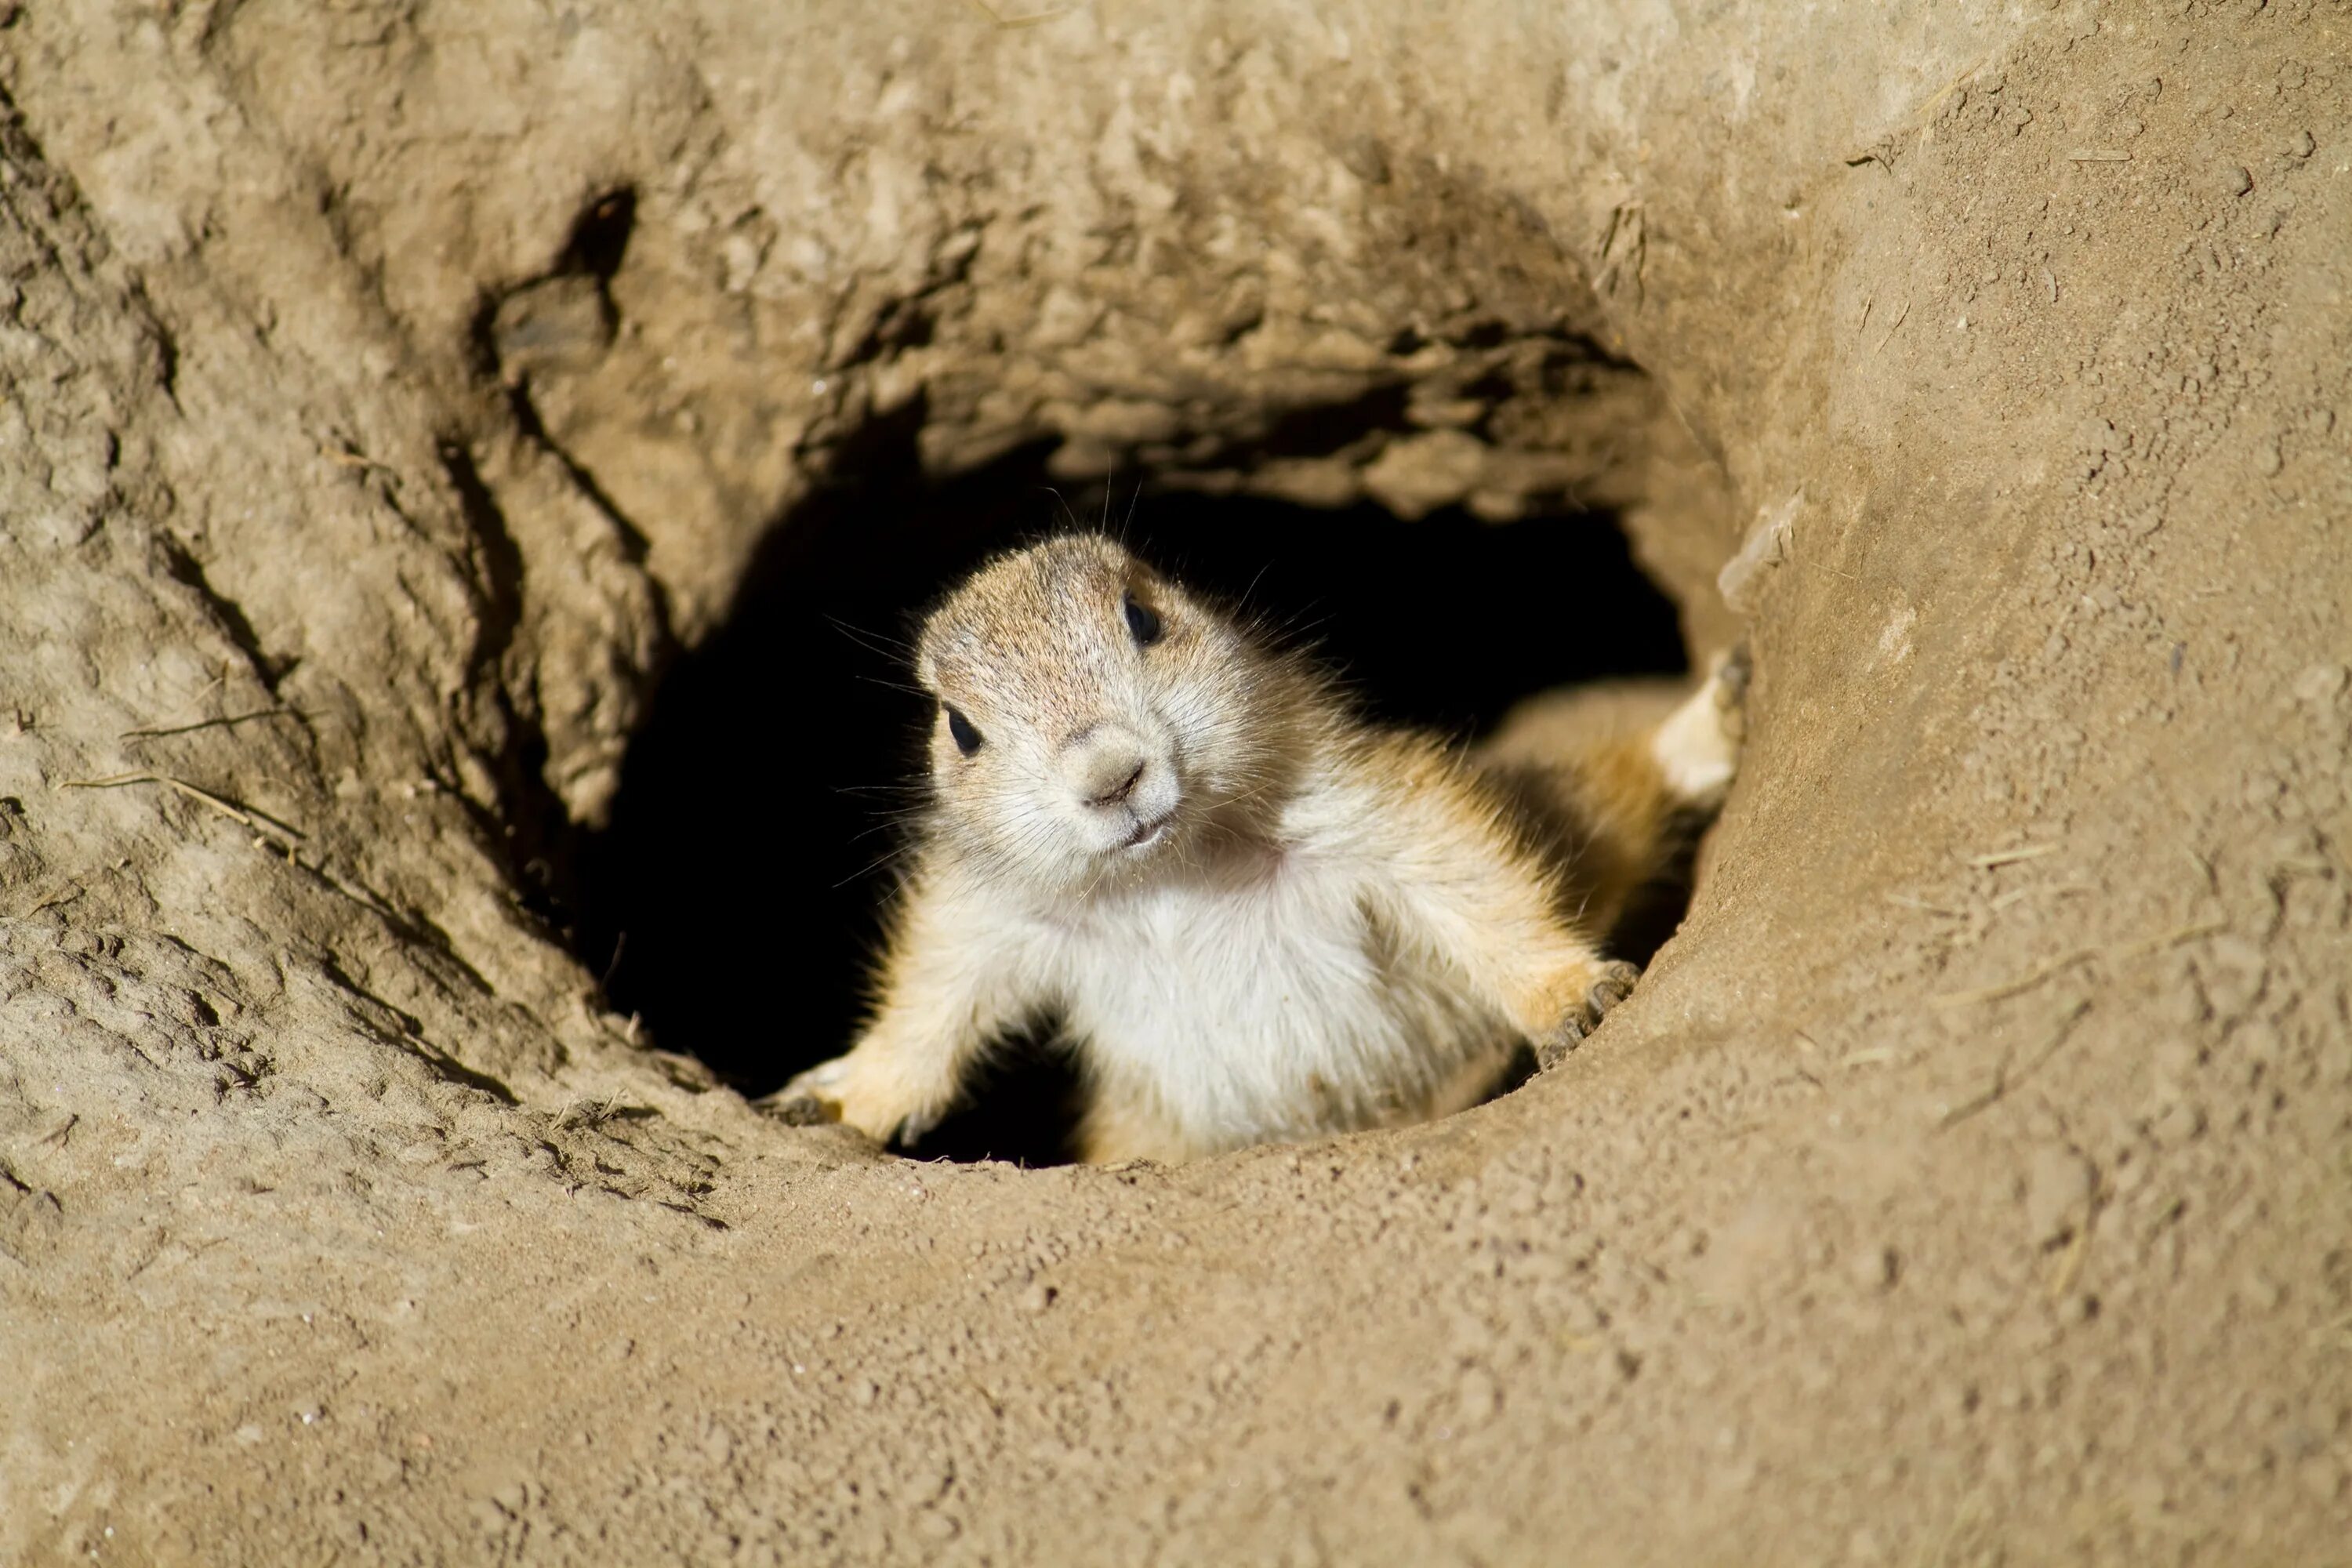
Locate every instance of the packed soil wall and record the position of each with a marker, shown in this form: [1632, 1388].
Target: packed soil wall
[395, 389]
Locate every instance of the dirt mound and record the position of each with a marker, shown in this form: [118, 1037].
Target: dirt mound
[397, 392]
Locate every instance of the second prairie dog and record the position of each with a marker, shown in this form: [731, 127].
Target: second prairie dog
[1255, 916]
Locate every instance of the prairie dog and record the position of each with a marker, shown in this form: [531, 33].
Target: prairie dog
[1257, 917]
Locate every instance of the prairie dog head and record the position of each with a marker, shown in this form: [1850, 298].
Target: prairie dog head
[1093, 717]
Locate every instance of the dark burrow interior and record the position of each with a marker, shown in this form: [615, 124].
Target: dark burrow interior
[734, 901]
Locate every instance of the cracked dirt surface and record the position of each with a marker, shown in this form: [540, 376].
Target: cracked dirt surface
[394, 389]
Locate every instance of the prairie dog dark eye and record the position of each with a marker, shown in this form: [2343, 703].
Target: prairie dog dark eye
[967, 739]
[1142, 621]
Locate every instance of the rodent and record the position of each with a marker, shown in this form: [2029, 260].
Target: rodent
[1256, 916]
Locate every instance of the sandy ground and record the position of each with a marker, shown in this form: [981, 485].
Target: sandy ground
[393, 390]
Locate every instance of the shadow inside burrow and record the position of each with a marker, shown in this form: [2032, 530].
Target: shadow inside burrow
[737, 898]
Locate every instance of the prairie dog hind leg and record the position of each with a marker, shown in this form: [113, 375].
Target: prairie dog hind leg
[1620, 777]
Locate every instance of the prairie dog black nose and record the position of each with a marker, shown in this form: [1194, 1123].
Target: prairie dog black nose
[1105, 765]
[1119, 790]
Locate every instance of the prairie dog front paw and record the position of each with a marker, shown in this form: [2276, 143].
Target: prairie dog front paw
[1611, 982]
[861, 1090]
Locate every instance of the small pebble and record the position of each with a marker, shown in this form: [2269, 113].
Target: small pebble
[2237, 180]
[2058, 1187]
[1876, 1267]
[2319, 684]
[2177, 1123]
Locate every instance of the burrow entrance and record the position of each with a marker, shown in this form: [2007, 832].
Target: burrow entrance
[734, 901]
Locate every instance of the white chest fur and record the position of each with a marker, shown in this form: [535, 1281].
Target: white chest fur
[1260, 1001]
